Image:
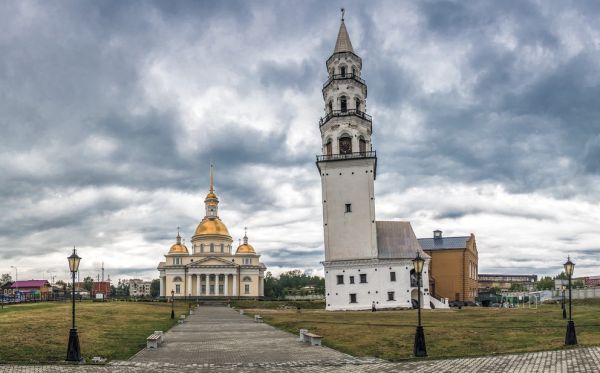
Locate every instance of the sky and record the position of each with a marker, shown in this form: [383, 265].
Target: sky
[486, 120]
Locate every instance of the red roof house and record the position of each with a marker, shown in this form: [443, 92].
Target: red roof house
[33, 288]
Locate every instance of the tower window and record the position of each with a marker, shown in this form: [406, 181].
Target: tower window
[222, 247]
[177, 289]
[246, 289]
[348, 207]
[212, 248]
[391, 295]
[340, 279]
[330, 107]
[353, 71]
[351, 279]
[392, 276]
[343, 104]
[329, 148]
[363, 278]
[201, 247]
[362, 145]
[343, 71]
[345, 145]
[352, 298]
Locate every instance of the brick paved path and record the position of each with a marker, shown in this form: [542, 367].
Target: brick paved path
[220, 340]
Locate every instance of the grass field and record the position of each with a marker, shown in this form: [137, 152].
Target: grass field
[38, 332]
[448, 333]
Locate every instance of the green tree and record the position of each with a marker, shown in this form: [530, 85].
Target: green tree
[545, 283]
[88, 283]
[5, 278]
[155, 288]
[61, 284]
[561, 276]
[516, 287]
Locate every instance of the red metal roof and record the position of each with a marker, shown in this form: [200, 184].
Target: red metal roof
[29, 284]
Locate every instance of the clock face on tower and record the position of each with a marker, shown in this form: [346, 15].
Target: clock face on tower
[345, 145]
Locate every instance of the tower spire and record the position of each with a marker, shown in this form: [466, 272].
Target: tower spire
[343, 43]
[245, 235]
[212, 166]
[178, 236]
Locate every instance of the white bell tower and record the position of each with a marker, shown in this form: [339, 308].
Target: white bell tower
[348, 163]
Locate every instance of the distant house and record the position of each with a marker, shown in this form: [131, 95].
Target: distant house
[100, 287]
[591, 281]
[32, 289]
[505, 281]
[453, 267]
[6, 288]
[139, 288]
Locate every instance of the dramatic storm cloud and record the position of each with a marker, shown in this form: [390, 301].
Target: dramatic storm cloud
[486, 120]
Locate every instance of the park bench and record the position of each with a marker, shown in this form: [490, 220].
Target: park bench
[241, 312]
[181, 319]
[258, 318]
[153, 341]
[313, 339]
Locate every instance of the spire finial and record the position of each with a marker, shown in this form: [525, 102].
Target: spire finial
[343, 11]
[245, 235]
[178, 236]
[212, 166]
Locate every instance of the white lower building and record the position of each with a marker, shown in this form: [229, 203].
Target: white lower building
[388, 281]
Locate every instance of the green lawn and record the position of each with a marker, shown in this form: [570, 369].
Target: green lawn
[448, 333]
[34, 333]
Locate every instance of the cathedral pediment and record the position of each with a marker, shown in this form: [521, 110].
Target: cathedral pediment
[211, 261]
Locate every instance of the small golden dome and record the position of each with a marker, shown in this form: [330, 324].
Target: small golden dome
[245, 249]
[178, 248]
[211, 227]
[211, 195]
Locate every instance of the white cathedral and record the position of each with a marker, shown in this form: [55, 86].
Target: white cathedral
[367, 262]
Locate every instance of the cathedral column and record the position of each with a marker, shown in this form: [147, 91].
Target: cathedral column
[225, 286]
[162, 286]
[207, 284]
[234, 285]
[189, 285]
[198, 285]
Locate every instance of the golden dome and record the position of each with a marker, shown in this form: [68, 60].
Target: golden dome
[178, 248]
[245, 249]
[211, 194]
[211, 227]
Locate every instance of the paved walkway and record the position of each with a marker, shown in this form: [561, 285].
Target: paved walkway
[218, 339]
[220, 335]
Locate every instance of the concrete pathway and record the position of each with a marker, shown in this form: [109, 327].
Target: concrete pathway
[220, 335]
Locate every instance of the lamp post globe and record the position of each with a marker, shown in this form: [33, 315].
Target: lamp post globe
[571, 337]
[73, 349]
[419, 349]
[172, 304]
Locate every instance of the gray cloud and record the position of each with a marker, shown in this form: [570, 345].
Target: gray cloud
[111, 112]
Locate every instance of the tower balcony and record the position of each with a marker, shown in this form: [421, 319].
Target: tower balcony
[344, 76]
[341, 113]
[339, 157]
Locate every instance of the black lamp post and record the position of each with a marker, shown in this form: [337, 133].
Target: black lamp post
[73, 350]
[564, 308]
[419, 349]
[172, 304]
[571, 337]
